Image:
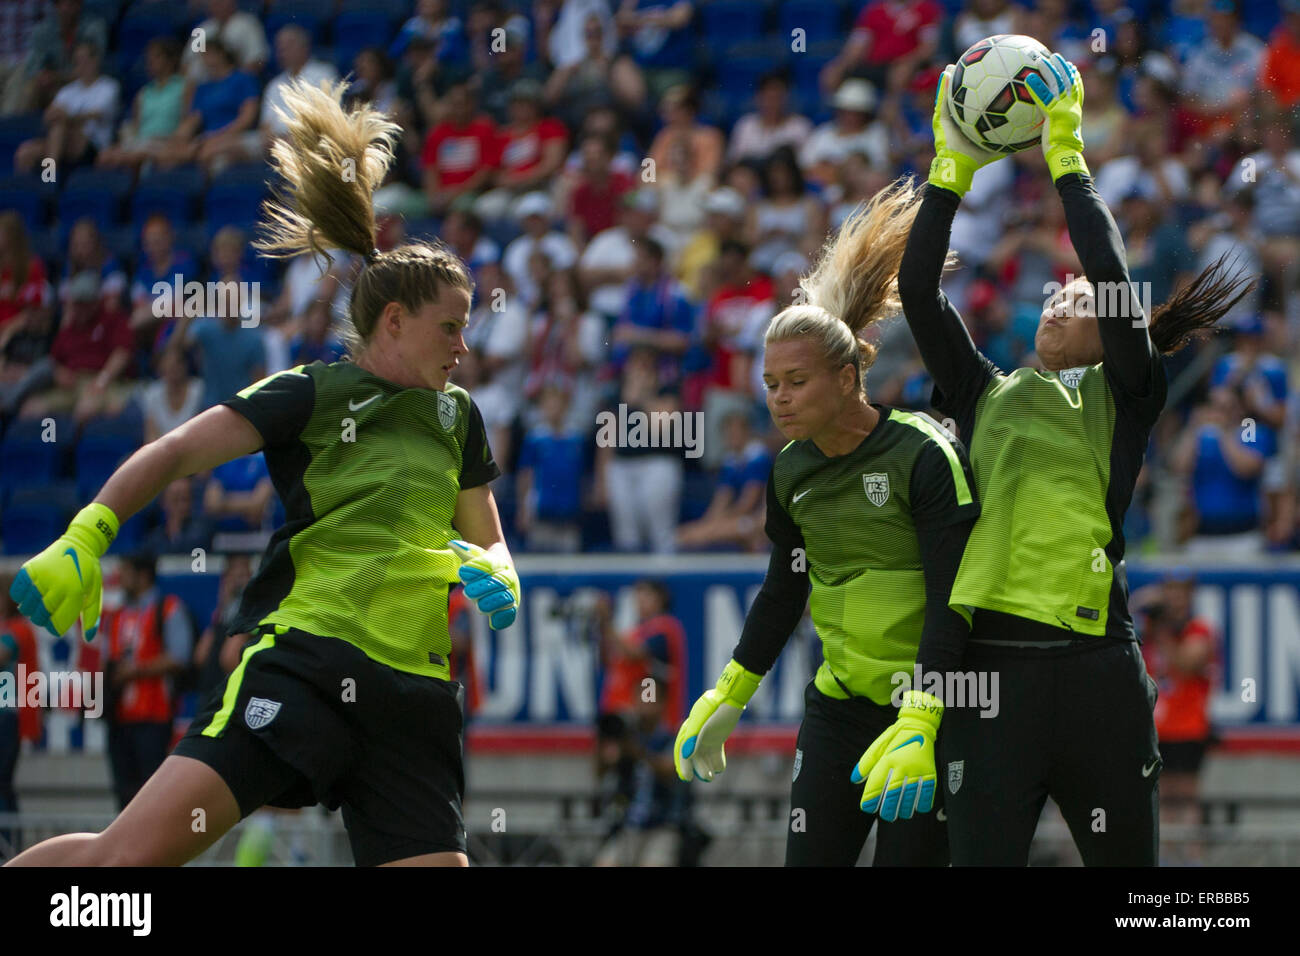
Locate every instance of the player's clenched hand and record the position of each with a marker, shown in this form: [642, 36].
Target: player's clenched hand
[699, 751]
[899, 766]
[956, 158]
[64, 581]
[490, 581]
[1063, 109]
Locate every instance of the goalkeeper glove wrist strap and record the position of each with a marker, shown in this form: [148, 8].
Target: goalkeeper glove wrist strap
[737, 685]
[1064, 161]
[94, 528]
[950, 172]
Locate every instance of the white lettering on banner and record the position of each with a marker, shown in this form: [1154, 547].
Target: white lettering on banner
[560, 662]
[1246, 658]
[1284, 653]
[502, 667]
[780, 696]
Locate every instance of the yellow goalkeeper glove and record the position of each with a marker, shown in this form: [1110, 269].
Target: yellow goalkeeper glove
[64, 581]
[699, 750]
[899, 766]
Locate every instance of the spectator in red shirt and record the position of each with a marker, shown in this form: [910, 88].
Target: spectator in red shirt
[1179, 650]
[531, 150]
[889, 41]
[24, 289]
[595, 190]
[737, 293]
[460, 153]
[90, 355]
[1280, 72]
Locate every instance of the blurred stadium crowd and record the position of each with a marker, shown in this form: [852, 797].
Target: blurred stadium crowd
[637, 185]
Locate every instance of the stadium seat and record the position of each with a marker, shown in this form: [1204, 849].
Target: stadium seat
[356, 29]
[15, 130]
[35, 517]
[727, 22]
[737, 82]
[106, 10]
[28, 460]
[97, 193]
[175, 193]
[806, 68]
[144, 21]
[104, 444]
[235, 197]
[821, 20]
[27, 196]
[311, 15]
[424, 228]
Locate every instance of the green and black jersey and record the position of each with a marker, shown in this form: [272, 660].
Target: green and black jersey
[369, 473]
[863, 527]
[1056, 455]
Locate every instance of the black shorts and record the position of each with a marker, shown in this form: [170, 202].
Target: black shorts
[1183, 756]
[307, 719]
[831, 830]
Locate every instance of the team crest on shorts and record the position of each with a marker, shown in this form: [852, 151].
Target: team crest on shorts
[446, 410]
[1071, 377]
[260, 712]
[876, 485]
[955, 768]
[798, 765]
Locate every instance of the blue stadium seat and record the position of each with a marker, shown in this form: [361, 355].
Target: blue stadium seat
[144, 21]
[97, 193]
[235, 197]
[821, 20]
[737, 82]
[726, 22]
[424, 228]
[106, 10]
[27, 196]
[311, 15]
[35, 517]
[357, 29]
[105, 443]
[15, 130]
[124, 243]
[28, 460]
[175, 193]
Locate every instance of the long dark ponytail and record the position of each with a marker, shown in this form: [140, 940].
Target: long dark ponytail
[1194, 310]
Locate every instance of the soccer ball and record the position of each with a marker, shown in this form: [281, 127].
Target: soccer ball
[988, 97]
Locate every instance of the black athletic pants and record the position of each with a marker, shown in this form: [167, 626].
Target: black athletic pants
[1073, 723]
[827, 826]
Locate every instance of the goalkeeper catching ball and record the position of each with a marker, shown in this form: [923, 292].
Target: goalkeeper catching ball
[870, 507]
[343, 694]
[1056, 452]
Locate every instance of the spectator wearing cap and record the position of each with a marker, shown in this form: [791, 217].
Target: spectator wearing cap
[724, 219]
[238, 31]
[293, 54]
[156, 112]
[552, 462]
[889, 41]
[50, 55]
[89, 360]
[508, 67]
[593, 190]
[222, 115]
[1279, 74]
[608, 261]
[535, 212]
[1180, 651]
[460, 153]
[1221, 75]
[787, 218]
[79, 122]
[734, 518]
[853, 128]
[1259, 379]
[705, 144]
[531, 150]
[759, 134]
[150, 639]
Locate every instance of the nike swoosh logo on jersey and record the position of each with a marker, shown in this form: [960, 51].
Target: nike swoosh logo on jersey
[1150, 768]
[800, 495]
[353, 406]
[75, 563]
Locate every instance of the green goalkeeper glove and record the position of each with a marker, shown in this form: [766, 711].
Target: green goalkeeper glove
[699, 747]
[490, 581]
[956, 158]
[899, 766]
[64, 581]
[1063, 127]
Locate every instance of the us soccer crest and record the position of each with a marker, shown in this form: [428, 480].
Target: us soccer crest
[260, 712]
[876, 485]
[446, 410]
[955, 769]
[1071, 377]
